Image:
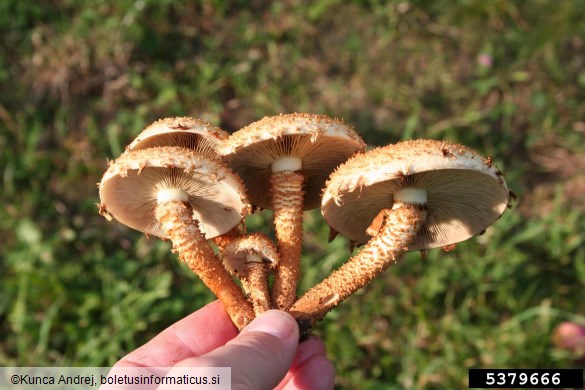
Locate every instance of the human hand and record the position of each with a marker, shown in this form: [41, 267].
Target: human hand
[264, 355]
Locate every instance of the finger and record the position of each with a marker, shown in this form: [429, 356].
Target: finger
[194, 335]
[260, 356]
[311, 368]
[316, 373]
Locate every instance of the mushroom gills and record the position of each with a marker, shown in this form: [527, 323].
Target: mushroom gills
[168, 192]
[284, 161]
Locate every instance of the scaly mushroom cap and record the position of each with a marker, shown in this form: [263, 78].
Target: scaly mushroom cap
[466, 193]
[186, 132]
[131, 186]
[321, 142]
[235, 254]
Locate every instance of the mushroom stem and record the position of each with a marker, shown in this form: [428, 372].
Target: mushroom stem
[255, 283]
[287, 204]
[193, 249]
[398, 230]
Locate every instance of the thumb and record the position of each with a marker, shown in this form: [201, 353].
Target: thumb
[260, 355]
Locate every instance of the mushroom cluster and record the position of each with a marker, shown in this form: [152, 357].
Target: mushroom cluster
[185, 180]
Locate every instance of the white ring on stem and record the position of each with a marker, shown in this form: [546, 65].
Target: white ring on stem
[170, 194]
[411, 195]
[287, 163]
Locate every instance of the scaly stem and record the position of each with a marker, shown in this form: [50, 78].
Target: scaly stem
[399, 229]
[287, 205]
[179, 226]
[255, 283]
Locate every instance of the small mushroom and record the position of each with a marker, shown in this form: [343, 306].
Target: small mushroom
[250, 258]
[284, 162]
[409, 196]
[176, 193]
[186, 132]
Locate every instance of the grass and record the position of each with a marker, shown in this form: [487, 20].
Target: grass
[78, 81]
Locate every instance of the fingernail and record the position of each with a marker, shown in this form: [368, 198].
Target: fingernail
[274, 322]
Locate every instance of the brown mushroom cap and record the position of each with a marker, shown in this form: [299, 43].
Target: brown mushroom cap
[465, 192]
[130, 187]
[321, 142]
[186, 132]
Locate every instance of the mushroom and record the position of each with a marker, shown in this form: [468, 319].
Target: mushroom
[409, 196]
[176, 193]
[186, 132]
[250, 258]
[284, 162]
